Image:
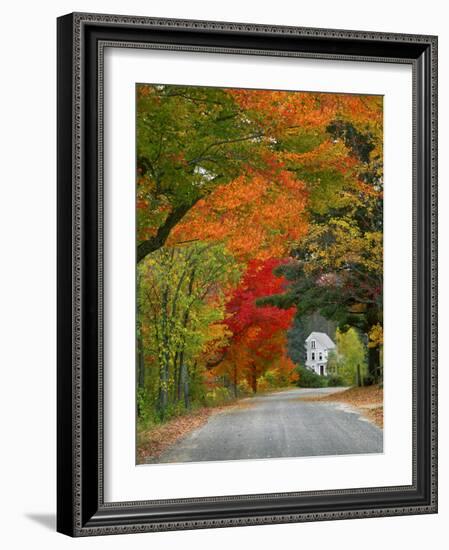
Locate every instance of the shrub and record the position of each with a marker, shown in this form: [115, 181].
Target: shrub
[271, 377]
[263, 384]
[173, 410]
[309, 379]
[146, 413]
[334, 380]
[243, 388]
[218, 396]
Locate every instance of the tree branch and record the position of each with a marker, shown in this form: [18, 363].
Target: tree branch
[224, 142]
[158, 240]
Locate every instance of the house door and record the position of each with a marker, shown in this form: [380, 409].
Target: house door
[321, 370]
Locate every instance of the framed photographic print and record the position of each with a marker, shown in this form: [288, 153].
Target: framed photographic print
[246, 274]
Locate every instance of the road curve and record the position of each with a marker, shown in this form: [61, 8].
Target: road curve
[278, 425]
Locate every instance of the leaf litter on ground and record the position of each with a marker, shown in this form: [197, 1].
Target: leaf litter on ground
[154, 441]
[367, 399]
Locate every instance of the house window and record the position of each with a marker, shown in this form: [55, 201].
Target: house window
[312, 344]
[313, 356]
[321, 356]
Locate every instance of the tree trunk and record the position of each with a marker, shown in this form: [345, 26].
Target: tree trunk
[140, 359]
[359, 377]
[163, 389]
[373, 315]
[235, 381]
[140, 362]
[374, 363]
[165, 366]
[176, 371]
[179, 381]
[185, 385]
[254, 378]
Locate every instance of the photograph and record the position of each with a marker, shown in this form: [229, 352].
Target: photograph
[259, 273]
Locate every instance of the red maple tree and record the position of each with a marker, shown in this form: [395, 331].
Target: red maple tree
[258, 332]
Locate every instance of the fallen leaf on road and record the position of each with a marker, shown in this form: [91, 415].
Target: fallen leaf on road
[153, 442]
[368, 400]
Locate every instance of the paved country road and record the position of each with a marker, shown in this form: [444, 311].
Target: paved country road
[279, 424]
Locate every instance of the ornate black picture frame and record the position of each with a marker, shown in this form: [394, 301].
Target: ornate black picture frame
[81, 509]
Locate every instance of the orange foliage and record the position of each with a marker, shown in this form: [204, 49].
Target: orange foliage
[256, 217]
[280, 110]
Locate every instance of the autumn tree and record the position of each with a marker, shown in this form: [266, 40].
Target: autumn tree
[337, 269]
[258, 333]
[189, 140]
[181, 301]
[348, 362]
[192, 139]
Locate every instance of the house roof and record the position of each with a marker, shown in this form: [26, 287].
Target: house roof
[322, 338]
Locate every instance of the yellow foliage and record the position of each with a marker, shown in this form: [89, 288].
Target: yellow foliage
[376, 336]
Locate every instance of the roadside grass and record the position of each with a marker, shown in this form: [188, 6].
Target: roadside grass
[367, 399]
[153, 440]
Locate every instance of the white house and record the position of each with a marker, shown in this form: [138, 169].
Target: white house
[318, 345]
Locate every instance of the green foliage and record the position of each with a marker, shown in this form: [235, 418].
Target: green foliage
[218, 396]
[180, 307]
[301, 141]
[144, 408]
[350, 359]
[326, 190]
[334, 381]
[362, 144]
[309, 379]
